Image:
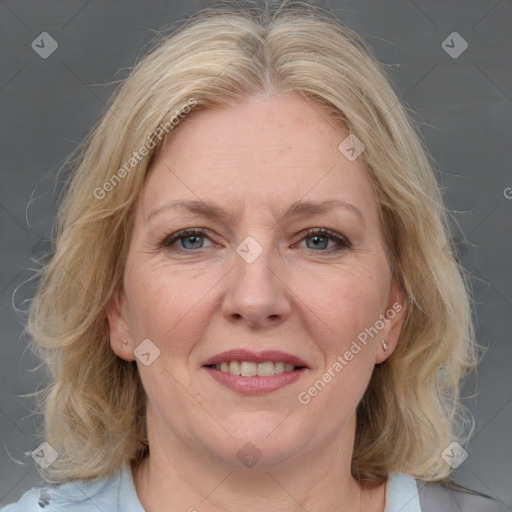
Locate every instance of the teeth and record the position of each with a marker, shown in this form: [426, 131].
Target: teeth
[250, 368]
[247, 369]
[266, 369]
[234, 368]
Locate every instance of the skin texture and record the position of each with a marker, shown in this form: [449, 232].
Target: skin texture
[300, 296]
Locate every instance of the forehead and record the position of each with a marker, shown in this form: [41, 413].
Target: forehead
[268, 149]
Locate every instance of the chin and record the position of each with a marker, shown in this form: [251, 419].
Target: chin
[259, 442]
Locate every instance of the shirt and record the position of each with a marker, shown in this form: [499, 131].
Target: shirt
[117, 494]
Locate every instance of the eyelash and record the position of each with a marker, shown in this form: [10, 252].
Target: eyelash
[342, 242]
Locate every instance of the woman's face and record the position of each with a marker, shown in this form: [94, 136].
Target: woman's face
[250, 279]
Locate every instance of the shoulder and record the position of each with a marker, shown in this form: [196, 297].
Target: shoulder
[442, 498]
[107, 494]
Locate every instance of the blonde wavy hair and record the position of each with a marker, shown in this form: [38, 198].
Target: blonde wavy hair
[94, 408]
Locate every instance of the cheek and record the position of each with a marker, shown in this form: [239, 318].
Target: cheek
[353, 304]
[344, 305]
[166, 305]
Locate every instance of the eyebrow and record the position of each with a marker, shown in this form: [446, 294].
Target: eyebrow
[296, 209]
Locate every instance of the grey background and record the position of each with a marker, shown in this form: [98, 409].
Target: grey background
[463, 105]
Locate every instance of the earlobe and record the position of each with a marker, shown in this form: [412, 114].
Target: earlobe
[393, 318]
[120, 339]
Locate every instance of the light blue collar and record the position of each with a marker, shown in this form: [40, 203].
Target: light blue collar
[401, 494]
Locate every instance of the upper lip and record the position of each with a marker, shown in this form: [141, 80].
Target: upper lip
[256, 357]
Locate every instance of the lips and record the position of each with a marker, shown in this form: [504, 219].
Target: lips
[248, 381]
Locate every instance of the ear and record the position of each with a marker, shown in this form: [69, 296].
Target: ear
[120, 338]
[393, 320]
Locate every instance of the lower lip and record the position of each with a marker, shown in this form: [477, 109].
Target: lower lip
[255, 385]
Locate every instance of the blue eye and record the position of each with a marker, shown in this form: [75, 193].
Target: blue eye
[193, 239]
[321, 238]
[190, 237]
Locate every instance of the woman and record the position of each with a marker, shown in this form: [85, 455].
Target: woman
[252, 302]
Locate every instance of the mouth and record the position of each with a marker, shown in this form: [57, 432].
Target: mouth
[250, 373]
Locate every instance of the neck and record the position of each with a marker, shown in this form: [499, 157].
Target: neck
[183, 477]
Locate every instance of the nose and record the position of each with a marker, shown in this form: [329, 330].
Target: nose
[257, 292]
